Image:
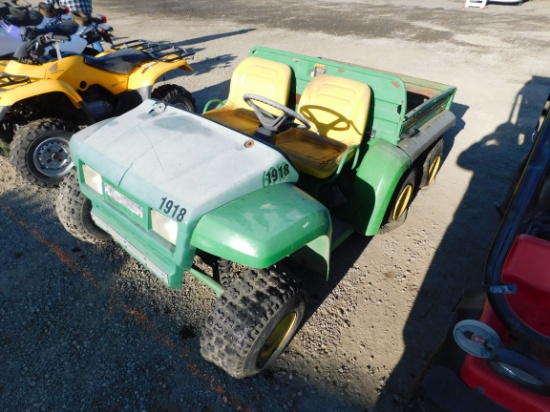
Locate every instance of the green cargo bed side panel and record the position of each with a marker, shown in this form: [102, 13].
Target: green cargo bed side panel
[265, 226]
[377, 178]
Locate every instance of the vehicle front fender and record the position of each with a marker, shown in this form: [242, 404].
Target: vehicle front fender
[38, 88]
[265, 226]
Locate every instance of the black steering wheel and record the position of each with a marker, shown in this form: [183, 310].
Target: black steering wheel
[269, 120]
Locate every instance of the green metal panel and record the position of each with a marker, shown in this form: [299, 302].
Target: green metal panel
[134, 239]
[377, 177]
[426, 111]
[265, 226]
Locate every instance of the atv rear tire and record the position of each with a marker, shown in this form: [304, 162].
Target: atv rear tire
[40, 151]
[176, 96]
[74, 212]
[253, 321]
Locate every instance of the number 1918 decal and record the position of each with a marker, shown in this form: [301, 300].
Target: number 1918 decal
[275, 174]
[171, 209]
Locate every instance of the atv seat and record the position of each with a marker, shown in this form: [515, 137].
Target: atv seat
[337, 109]
[253, 75]
[49, 10]
[22, 17]
[120, 62]
[64, 27]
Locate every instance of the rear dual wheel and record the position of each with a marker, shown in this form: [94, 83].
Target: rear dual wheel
[398, 208]
[432, 164]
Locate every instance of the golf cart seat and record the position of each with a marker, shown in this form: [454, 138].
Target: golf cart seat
[253, 75]
[337, 109]
[527, 267]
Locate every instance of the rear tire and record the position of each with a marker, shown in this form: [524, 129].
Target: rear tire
[398, 209]
[176, 96]
[432, 164]
[521, 377]
[253, 321]
[40, 151]
[74, 212]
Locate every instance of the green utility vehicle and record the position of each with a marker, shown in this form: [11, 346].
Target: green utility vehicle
[303, 152]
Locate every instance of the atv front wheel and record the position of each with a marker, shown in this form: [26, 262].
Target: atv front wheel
[176, 96]
[253, 321]
[40, 151]
[74, 212]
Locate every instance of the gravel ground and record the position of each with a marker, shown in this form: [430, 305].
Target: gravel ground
[85, 327]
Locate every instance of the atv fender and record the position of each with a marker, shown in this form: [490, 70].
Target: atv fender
[265, 226]
[377, 177]
[42, 87]
[148, 74]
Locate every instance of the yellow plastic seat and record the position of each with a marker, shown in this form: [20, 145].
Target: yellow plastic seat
[337, 109]
[258, 76]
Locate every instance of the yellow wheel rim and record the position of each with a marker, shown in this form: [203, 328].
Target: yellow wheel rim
[279, 335]
[402, 202]
[434, 168]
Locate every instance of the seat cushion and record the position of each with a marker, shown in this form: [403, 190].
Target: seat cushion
[257, 76]
[242, 120]
[311, 153]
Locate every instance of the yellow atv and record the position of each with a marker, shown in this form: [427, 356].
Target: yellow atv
[43, 103]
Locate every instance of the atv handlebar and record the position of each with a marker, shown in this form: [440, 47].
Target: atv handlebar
[35, 49]
[49, 38]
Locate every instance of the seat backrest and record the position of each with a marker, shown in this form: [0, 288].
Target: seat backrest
[337, 107]
[527, 267]
[262, 77]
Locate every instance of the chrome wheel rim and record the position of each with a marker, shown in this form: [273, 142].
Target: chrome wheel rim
[52, 158]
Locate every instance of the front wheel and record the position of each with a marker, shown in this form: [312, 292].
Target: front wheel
[176, 96]
[40, 151]
[253, 321]
[74, 212]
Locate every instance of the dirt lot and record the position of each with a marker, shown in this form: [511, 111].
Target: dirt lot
[87, 328]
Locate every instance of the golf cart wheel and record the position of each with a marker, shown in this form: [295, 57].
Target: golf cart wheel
[253, 321]
[74, 212]
[40, 151]
[398, 208]
[432, 164]
[520, 377]
[476, 338]
[176, 96]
